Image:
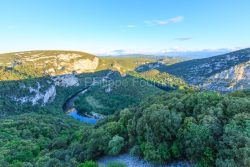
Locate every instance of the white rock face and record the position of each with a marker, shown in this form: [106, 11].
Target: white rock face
[49, 95]
[66, 80]
[108, 90]
[83, 65]
[36, 95]
[67, 57]
[235, 78]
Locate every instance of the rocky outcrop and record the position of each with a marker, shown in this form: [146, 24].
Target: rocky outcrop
[43, 93]
[235, 78]
[37, 95]
[66, 80]
[85, 65]
[70, 63]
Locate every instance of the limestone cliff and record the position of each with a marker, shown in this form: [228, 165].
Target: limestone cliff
[235, 78]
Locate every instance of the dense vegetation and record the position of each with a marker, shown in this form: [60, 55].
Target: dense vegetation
[205, 128]
[40, 139]
[163, 80]
[114, 95]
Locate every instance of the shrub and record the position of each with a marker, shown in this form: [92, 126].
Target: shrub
[115, 145]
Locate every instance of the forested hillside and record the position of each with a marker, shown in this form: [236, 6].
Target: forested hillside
[205, 128]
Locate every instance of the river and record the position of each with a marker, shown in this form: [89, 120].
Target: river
[70, 110]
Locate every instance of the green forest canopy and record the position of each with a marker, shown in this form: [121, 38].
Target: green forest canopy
[205, 128]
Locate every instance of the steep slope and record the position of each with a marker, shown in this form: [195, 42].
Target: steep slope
[224, 73]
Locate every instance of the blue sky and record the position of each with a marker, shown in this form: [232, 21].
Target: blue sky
[101, 26]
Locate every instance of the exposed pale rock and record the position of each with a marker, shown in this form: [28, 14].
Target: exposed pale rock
[235, 78]
[68, 57]
[36, 95]
[107, 90]
[66, 80]
[51, 71]
[49, 95]
[83, 65]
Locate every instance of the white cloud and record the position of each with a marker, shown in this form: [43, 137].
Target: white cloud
[172, 51]
[176, 19]
[161, 22]
[131, 26]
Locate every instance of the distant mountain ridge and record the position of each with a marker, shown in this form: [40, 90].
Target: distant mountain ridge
[172, 52]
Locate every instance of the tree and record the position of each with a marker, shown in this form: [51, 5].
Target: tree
[115, 145]
[234, 146]
[196, 141]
